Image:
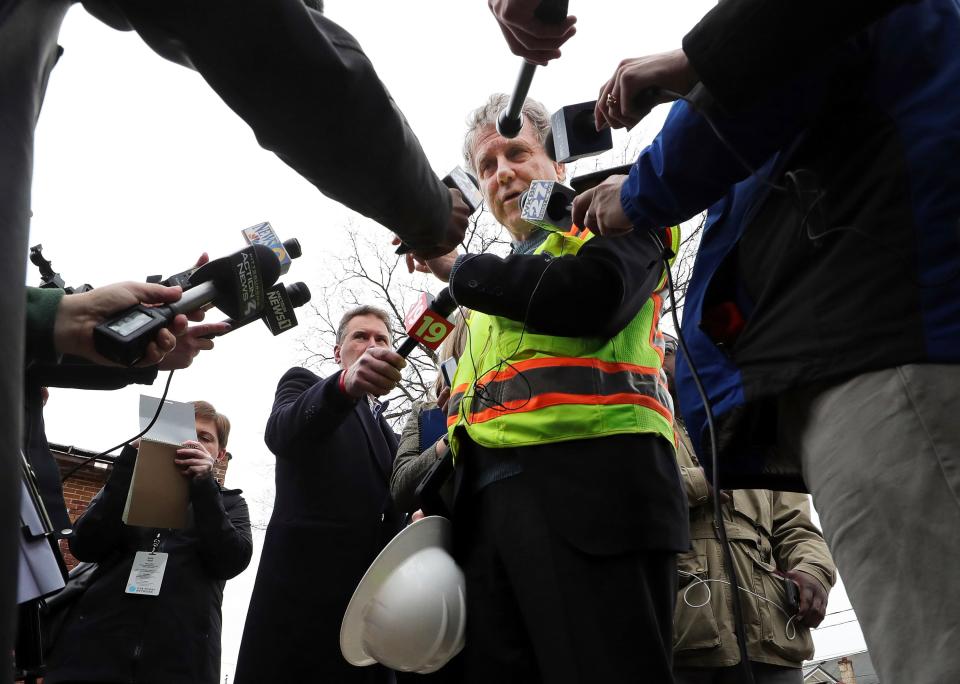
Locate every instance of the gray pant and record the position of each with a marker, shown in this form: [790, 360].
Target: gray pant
[881, 456]
[762, 674]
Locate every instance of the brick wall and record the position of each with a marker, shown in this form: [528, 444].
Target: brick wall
[847, 675]
[78, 491]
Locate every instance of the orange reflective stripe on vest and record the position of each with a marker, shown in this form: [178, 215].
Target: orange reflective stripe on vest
[537, 383]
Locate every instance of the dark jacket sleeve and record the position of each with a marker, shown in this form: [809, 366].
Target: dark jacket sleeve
[223, 525]
[689, 166]
[79, 373]
[743, 48]
[311, 96]
[99, 532]
[304, 405]
[596, 292]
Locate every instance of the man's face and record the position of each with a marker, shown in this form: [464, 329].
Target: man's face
[505, 168]
[207, 436]
[670, 365]
[361, 333]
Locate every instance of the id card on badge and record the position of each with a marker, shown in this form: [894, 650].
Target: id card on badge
[146, 575]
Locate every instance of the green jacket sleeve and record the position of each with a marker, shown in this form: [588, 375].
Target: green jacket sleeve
[797, 543]
[694, 479]
[42, 305]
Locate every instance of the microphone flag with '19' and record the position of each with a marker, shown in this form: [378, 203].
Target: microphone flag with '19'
[426, 322]
[235, 284]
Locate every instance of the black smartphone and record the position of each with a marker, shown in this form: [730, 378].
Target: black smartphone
[792, 596]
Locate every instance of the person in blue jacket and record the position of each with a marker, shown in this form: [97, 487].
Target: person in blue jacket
[823, 314]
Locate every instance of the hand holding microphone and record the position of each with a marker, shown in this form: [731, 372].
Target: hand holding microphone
[427, 321]
[640, 84]
[191, 342]
[530, 33]
[79, 315]
[235, 284]
[376, 372]
[599, 208]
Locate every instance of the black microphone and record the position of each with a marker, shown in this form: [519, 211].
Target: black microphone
[235, 284]
[469, 187]
[510, 120]
[279, 316]
[548, 204]
[289, 249]
[264, 234]
[574, 135]
[467, 184]
[426, 322]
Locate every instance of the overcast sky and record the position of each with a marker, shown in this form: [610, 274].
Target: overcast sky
[140, 168]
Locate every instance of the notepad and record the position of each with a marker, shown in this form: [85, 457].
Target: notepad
[159, 494]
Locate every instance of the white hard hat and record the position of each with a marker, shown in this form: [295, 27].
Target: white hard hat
[409, 610]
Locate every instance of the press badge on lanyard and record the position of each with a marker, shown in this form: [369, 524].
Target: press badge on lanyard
[146, 575]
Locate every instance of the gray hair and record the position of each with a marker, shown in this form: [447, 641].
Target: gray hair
[362, 310]
[487, 115]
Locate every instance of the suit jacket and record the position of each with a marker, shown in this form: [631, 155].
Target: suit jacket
[331, 517]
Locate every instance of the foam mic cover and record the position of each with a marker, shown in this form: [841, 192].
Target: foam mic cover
[281, 301]
[241, 280]
[574, 134]
[279, 315]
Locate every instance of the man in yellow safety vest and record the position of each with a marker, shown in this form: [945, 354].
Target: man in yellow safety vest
[569, 508]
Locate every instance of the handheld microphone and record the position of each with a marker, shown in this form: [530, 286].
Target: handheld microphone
[574, 135]
[290, 249]
[464, 181]
[590, 180]
[548, 204]
[263, 234]
[510, 120]
[279, 316]
[235, 284]
[426, 322]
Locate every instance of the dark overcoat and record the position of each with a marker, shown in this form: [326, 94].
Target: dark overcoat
[331, 517]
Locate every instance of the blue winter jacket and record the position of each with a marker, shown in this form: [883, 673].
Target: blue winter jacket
[840, 254]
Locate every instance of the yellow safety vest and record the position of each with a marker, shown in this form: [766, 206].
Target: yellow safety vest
[514, 387]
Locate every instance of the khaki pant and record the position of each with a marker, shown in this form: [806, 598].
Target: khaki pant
[881, 457]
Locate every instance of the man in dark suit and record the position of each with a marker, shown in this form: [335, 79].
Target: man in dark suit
[333, 512]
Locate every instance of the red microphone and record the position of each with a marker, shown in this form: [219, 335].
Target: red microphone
[426, 322]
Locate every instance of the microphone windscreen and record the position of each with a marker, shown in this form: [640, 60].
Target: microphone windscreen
[241, 279]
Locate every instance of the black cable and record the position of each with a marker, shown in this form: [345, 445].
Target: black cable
[156, 415]
[478, 390]
[718, 524]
